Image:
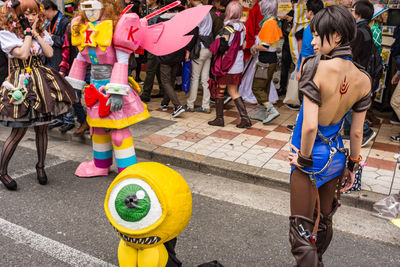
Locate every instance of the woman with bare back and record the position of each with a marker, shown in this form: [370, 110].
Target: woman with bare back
[331, 84]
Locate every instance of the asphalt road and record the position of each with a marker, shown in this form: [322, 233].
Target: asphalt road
[63, 223]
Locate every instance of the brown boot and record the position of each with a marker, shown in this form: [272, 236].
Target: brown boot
[82, 129]
[219, 110]
[244, 117]
[304, 251]
[325, 230]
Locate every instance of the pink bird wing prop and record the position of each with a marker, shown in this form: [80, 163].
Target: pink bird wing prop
[172, 36]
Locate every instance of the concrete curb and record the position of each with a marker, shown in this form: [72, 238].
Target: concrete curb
[236, 171]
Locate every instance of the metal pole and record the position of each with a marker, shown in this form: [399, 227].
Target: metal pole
[394, 174]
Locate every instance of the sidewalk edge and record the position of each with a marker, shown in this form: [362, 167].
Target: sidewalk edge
[232, 170]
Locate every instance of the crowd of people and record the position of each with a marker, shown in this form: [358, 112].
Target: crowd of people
[338, 68]
[251, 78]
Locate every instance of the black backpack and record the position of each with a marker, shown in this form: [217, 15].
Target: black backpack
[375, 63]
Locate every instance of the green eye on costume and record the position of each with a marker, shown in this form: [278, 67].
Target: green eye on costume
[132, 203]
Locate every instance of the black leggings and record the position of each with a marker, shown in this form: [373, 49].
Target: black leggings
[303, 196]
[13, 140]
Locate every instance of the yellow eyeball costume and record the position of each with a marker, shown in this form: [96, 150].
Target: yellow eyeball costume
[148, 204]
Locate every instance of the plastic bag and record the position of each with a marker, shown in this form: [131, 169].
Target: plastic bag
[388, 208]
[292, 92]
[273, 94]
[186, 73]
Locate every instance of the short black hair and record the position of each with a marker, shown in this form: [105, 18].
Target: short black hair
[47, 4]
[364, 8]
[334, 19]
[315, 6]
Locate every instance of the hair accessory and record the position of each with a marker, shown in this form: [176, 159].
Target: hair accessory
[9, 16]
[15, 3]
[14, 24]
[9, 4]
[41, 8]
[28, 30]
[43, 25]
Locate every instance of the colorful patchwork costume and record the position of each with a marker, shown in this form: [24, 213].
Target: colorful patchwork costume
[107, 50]
[109, 69]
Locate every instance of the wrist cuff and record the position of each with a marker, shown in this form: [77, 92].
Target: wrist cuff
[352, 165]
[303, 161]
[117, 89]
[76, 84]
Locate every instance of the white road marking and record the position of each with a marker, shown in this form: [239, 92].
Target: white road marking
[347, 219]
[27, 171]
[48, 246]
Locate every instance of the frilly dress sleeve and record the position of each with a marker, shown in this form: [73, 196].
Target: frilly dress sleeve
[47, 38]
[9, 41]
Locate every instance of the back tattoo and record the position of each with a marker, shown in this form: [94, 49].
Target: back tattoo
[344, 87]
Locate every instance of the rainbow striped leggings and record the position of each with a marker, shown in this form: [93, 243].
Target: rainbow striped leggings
[118, 139]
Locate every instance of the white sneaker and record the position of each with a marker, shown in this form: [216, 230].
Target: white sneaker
[394, 122]
[164, 107]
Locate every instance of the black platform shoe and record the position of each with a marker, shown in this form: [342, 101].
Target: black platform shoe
[41, 175]
[10, 183]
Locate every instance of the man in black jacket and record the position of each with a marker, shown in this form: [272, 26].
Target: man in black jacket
[56, 28]
[361, 46]
[362, 11]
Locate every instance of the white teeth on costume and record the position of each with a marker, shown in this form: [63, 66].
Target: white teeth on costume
[146, 241]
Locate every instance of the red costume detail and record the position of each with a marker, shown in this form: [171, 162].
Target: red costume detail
[252, 28]
[92, 95]
[64, 65]
[344, 87]
[131, 32]
[88, 34]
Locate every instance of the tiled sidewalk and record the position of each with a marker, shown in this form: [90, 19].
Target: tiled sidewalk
[265, 146]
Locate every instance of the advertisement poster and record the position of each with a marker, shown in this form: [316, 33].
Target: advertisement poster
[284, 6]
